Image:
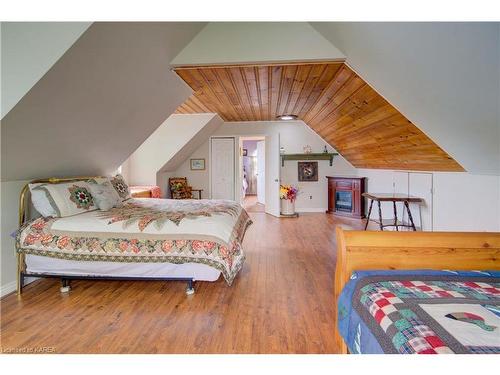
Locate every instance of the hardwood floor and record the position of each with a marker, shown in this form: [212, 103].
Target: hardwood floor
[282, 302]
[251, 204]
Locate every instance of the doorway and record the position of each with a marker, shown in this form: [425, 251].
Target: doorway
[253, 194]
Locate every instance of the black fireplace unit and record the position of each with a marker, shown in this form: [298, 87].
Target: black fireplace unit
[343, 201]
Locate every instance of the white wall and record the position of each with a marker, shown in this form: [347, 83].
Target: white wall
[466, 202]
[196, 179]
[461, 201]
[250, 146]
[88, 112]
[313, 196]
[498, 108]
[241, 42]
[29, 49]
[444, 77]
[294, 135]
[170, 139]
[98, 102]
[9, 199]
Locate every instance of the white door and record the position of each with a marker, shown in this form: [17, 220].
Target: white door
[261, 172]
[421, 186]
[222, 165]
[273, 175]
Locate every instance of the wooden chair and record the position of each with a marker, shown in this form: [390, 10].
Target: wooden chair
[179, 188]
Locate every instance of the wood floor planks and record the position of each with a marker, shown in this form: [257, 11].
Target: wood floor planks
[282, 302]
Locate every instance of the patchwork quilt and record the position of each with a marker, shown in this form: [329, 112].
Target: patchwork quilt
[422, 312]
[146, 230]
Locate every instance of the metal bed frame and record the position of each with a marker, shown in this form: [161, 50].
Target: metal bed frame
[24, 215]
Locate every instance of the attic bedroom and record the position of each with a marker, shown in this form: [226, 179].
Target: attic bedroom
[250, 187]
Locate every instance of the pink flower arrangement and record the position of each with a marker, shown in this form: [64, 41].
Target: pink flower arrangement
[288, 192]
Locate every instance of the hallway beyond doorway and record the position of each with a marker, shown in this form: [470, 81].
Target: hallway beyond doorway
[251, 204]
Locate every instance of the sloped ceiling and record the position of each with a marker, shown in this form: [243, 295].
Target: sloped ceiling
[256, 92]
[168, 146]
[192, 144]
[29, 49]
[113, 87]
[333, 100]
[443, 76]
[98, 103]
[243, 42]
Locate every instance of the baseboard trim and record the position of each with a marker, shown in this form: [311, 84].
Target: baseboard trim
[311, 210]
[7, 289]
[12, 286]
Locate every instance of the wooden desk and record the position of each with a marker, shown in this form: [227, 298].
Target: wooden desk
[387, 197]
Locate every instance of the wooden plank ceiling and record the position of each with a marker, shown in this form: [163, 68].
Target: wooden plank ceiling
[330, 98]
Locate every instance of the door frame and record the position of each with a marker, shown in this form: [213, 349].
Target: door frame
[242, 138]
[261, 176]
[238, 164]
[210, 163]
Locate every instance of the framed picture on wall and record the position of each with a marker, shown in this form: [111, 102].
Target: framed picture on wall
[308, 170]
[197, 164]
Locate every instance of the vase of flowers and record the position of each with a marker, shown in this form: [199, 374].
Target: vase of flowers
[288, 195]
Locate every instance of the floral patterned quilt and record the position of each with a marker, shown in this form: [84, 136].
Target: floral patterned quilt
[146, 230]
[428, 312]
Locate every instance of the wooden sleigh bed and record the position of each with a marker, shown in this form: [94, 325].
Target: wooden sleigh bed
[144, 239]
[360, 251]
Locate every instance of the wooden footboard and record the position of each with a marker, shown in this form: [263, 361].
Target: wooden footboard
[360, 250]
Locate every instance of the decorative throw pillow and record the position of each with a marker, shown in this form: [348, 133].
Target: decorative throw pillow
[120, 186]
[105, 196]
[69, 198]
[41, 201]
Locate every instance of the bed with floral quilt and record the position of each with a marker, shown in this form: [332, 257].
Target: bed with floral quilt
[144, 231]
[423, 312]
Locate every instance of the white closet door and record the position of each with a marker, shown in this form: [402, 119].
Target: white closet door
[222, 165]
[400, 181]
[421, 186]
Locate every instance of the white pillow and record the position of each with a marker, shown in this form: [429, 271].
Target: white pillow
[41, 201]
[69, 198]
[105, 196]
[120, 186]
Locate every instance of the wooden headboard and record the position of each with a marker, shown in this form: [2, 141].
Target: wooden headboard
[366, 250]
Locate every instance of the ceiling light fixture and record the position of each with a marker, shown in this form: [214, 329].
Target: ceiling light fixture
[287, 117]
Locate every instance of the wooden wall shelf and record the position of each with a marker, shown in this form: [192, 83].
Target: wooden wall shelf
[318, 156]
